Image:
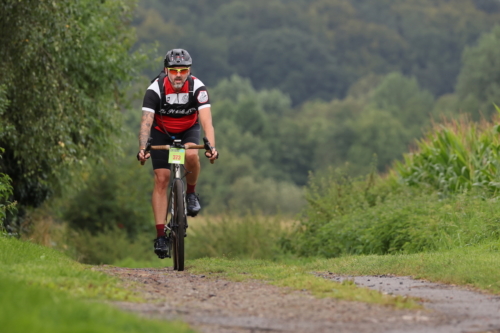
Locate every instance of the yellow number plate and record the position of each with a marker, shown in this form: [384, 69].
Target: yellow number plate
[176, 156]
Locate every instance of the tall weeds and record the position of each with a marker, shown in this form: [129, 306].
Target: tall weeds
[443, 195]
[250, 236]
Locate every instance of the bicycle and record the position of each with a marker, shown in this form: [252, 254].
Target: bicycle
[176, 228]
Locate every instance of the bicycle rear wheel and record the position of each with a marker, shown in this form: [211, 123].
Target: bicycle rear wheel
[179, 224]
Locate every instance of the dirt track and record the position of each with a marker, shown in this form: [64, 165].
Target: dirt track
[213, 305]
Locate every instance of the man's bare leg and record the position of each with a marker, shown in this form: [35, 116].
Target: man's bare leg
[192, 165]
[159, 197]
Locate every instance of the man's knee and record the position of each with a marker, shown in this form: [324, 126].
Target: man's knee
[192, 156]
[162, 178]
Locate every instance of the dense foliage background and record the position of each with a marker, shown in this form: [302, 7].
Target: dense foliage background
[298, 89]
[318, 49]
[298, 86]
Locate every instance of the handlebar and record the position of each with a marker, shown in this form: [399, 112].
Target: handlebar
[167, 147]
[205, 146]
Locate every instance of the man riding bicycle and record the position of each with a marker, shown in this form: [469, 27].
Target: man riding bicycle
[174, 106]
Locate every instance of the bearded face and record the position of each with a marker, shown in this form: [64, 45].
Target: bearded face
[177, 76]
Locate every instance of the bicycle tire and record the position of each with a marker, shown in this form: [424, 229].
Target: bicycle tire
[179, 224]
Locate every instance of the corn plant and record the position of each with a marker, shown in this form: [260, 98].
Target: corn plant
[456, 156]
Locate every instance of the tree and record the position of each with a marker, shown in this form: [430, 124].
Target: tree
[291, 61]
[403, 98]
[478, 85]
[5, 194]
[437, 32]
[252, 150]
[381, 115]
[376, 133]
[396, 113]
[63, 66]
[488, 6]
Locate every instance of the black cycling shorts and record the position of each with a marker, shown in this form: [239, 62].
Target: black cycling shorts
[160, 157]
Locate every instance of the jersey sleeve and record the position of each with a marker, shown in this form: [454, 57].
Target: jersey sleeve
[201, 97]
[151, 99]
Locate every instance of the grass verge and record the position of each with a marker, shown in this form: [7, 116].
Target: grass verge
[32, 309]
[41, 290]
[474, 266]
[48, 268]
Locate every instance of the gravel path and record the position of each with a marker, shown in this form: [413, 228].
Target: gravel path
[471, 311]
[212, 305]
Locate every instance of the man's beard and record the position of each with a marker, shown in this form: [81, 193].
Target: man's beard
[177, 85]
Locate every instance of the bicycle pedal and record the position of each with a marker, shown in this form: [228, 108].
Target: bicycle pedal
[164, 255]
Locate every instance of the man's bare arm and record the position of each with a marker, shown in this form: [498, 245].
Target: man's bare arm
[205, 117]
[144, 132]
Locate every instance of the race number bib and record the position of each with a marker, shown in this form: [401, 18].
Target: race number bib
[176, 156]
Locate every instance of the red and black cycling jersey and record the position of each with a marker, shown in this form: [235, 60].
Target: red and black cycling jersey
[179, 110]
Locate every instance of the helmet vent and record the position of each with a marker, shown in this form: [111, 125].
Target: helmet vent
[178, 57]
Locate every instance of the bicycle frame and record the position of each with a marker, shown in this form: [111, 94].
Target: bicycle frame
[175, 173]
[175, 229]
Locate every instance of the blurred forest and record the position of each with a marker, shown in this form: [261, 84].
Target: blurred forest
[297, 87]
[280, 44]
[300, 86]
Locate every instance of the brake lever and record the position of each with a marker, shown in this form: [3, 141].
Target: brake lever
[148, 148]
[209, 148]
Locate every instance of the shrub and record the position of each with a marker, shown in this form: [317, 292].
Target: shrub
[411, 220]
[109, 246]
[251, 236]
[5, 195]
[111, 201]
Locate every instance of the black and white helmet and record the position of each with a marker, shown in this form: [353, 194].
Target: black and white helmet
[177, 57]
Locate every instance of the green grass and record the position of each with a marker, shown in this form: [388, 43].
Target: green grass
[475, 266]
[42, 290]
[26, 308]
[48, 268]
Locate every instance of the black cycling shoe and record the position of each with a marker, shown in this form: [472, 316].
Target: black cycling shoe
[193, 204]
[161, 247]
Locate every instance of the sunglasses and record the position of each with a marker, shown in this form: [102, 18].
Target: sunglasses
[176, 71]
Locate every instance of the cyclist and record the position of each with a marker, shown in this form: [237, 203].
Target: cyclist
[174, 106]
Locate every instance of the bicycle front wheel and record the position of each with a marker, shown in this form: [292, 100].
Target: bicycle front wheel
[179, 224]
